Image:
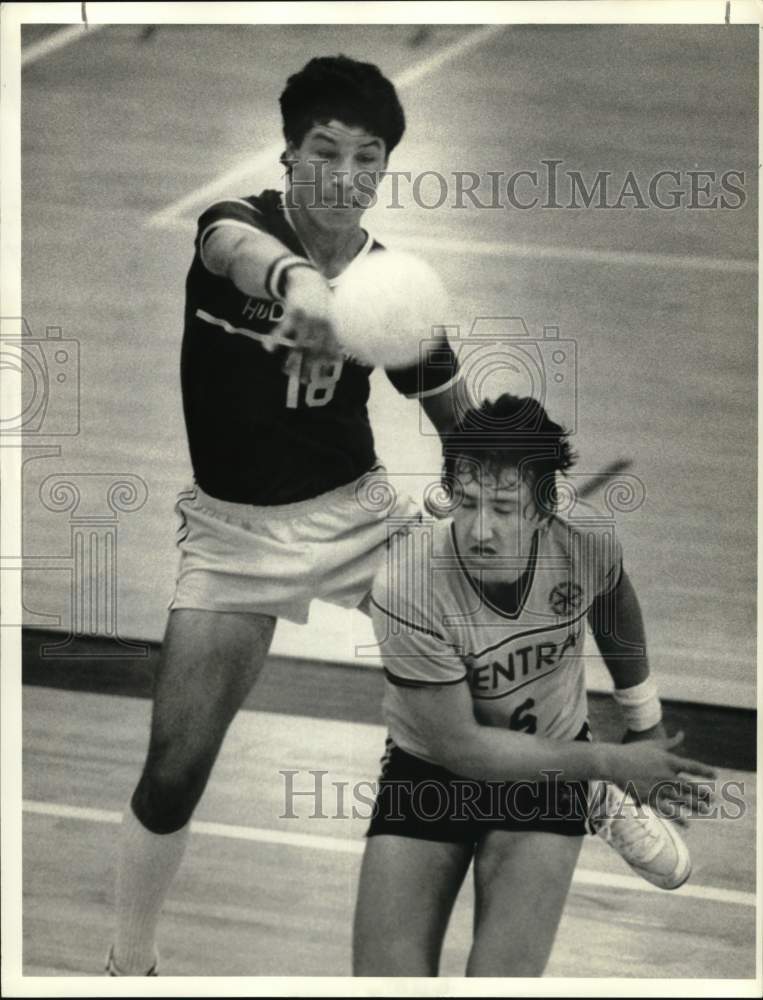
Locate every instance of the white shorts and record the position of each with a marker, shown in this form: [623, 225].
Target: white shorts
[276, 560]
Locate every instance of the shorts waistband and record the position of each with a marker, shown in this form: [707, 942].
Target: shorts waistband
[377, 478]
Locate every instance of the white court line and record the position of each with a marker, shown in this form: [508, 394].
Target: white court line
[626, 258]
[208, 192]
[308, 841]
[51, 43]
[537, 251]
[471, 41]
[267, 157]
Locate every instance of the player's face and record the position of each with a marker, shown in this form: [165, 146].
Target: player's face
[335, 172]
[495, 522]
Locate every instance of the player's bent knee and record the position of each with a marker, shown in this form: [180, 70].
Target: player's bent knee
[162, 808]
[166, 797]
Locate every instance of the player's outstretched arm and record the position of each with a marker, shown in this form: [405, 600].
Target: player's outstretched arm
[446, 406]
[244, 257]
[618, 627]
[444, 719]
[260, 265]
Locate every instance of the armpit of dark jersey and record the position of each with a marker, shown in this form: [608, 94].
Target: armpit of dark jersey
[256, 435]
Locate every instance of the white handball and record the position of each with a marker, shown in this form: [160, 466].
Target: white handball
[385, 305]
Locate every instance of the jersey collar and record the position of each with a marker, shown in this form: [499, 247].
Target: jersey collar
[333, 282]
[523, 584]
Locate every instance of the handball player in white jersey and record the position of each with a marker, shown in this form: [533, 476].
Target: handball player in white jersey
[481, 620]
[280, 444]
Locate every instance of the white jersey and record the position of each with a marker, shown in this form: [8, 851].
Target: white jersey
[524, 663]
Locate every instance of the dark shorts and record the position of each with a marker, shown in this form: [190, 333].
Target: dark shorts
[422, 800]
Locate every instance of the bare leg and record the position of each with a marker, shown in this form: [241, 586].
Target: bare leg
[521, 885]
[405, 897]
[209, 663]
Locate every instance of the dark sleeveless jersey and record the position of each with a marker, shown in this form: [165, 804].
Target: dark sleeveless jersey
[257, 435]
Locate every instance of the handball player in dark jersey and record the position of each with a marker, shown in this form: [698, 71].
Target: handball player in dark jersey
[280, 445]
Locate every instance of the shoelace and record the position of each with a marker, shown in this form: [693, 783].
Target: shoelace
[636, 834]
[639, 838]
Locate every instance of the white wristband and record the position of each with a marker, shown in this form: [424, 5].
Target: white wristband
[275, 279]
[640, 705]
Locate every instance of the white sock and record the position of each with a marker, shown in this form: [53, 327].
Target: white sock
[147, 865]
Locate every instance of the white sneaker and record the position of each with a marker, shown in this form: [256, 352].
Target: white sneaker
[112, 970]
[649, 844]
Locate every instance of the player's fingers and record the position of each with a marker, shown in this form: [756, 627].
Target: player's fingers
[703, 791]
[305, 338]
[670, 801]
[705, 808]
[681, 820]
[330, 339]
[321, 338]
[326, 350]
[673, 741]
[685, 765]
[666, 795]
[675, 810]
[275, 339]
[688, 810]
[293, 325]
[283, 335]
[313, 331]
[689, 796]
[292, 363]
[702, 800]
[694, 792]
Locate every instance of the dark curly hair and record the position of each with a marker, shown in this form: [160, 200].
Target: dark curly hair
[352, 92]
[510, 432]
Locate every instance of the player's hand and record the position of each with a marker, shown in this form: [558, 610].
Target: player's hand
[307, 327]
[654, 774]
[657, 733]
[700, 798]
